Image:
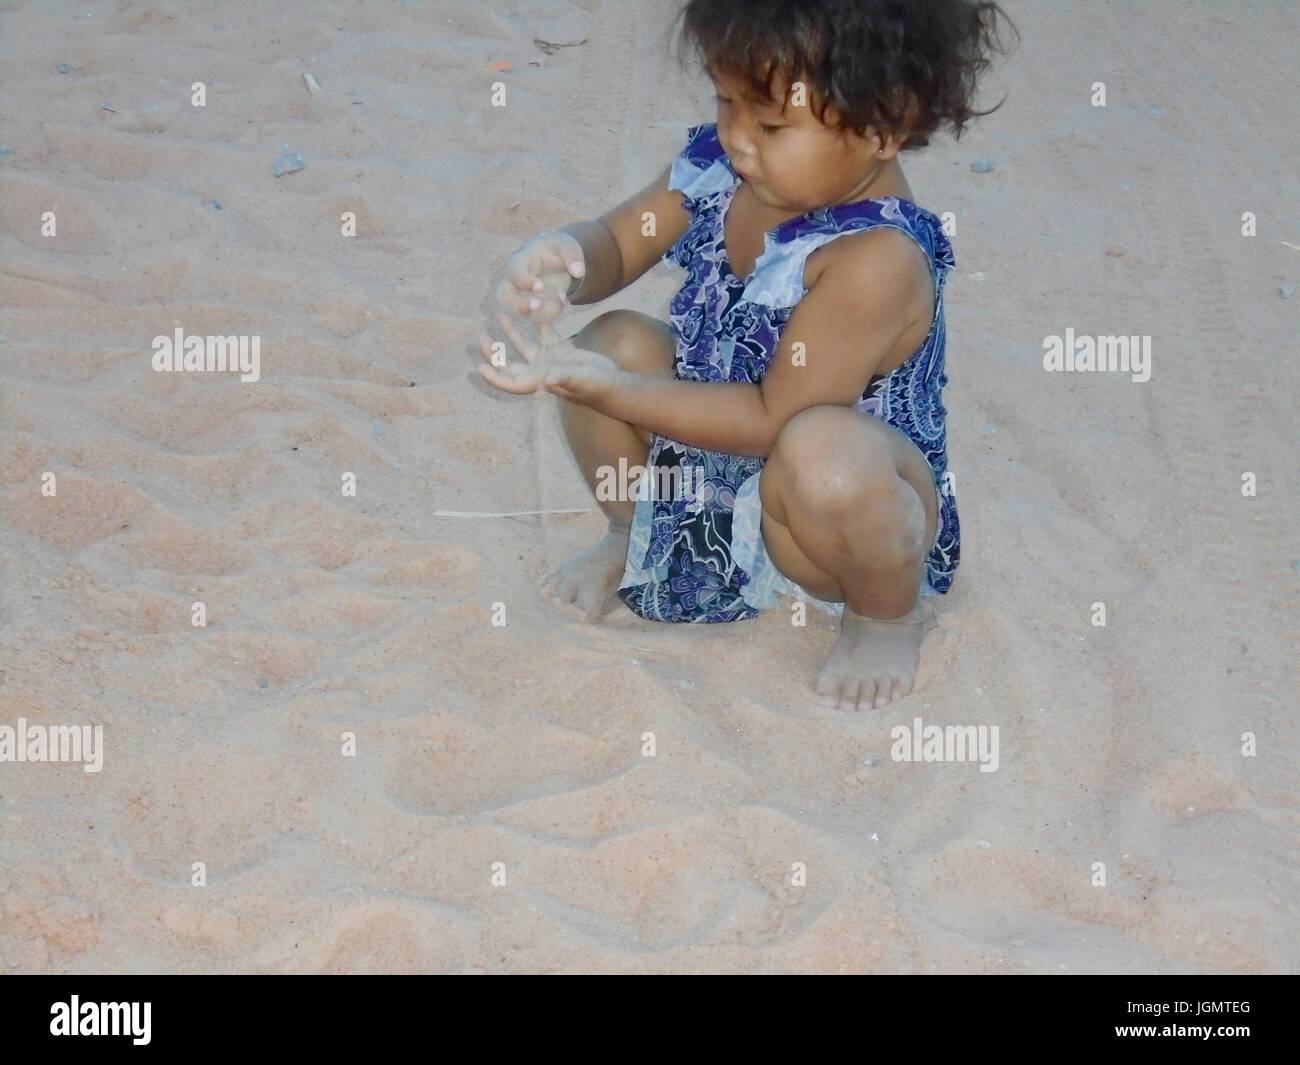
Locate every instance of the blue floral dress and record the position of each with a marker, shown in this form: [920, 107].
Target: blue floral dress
[680, 563]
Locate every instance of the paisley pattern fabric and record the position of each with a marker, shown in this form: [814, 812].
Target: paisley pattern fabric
[680, 564]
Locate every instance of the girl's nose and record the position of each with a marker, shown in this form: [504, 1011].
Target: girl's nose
[739, 149]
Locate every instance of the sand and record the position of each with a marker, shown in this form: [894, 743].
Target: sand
[499, 814]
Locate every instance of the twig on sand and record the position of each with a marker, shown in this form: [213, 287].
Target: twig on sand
[504, 514]
[551, 47]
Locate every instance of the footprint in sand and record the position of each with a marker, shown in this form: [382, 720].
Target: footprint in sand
[159, 540]
[448, 765]
[217, 809]
[81, 511]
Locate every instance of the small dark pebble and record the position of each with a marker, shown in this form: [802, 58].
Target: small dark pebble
[6, 150]
[981, 166]
[275, 40]
[63, 68]
[262, 684]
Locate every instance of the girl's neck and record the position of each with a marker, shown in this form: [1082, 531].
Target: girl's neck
[886, 179]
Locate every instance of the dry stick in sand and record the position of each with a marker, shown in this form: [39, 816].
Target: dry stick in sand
[504, 513]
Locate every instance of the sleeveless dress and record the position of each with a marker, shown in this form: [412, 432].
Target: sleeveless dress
[691, 555]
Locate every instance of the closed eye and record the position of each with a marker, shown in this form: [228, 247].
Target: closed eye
[765, 127]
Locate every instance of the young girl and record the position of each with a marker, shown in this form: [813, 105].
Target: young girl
[797, 388]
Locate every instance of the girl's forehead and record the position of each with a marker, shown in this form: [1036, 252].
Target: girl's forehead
[743, 88]
[779, 104]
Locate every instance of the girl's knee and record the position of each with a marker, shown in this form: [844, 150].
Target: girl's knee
[610, 328]
[832, 456]
[636, 342]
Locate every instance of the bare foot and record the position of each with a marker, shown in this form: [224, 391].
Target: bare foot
[872, 662]
[588, 578]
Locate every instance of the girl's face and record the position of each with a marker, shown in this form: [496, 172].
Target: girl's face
[791, 161]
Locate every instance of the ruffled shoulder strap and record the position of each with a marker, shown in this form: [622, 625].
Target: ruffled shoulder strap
[702, 167]
[778, 274]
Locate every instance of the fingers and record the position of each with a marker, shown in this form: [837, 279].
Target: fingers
[522, 272]
[509, 298]
[516, 378]
[535, 307]
[563, 252]
[523, 292]
[546, 307]
[526, 291]
[562, 258]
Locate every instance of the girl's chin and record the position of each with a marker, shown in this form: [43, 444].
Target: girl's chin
[764, 196]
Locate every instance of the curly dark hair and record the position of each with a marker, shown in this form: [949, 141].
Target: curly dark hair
[904, 67]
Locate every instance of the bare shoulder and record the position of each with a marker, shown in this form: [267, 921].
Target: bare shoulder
[882, 261]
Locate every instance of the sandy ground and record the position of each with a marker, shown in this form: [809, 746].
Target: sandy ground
[522, 745]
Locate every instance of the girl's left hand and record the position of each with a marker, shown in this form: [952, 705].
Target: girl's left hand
[551, 363]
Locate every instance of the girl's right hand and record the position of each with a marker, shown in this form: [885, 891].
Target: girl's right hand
[538, 276]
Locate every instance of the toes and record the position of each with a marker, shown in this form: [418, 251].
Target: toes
[827, 687]
[903, 685]
[884, 692]
[867, 694]
[602, 602]
[831, 700]
[590, 604]
[848, 695]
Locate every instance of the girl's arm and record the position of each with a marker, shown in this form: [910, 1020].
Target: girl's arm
[613, 246]
[873, 291]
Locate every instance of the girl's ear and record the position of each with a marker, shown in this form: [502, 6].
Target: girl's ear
[888, 146]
